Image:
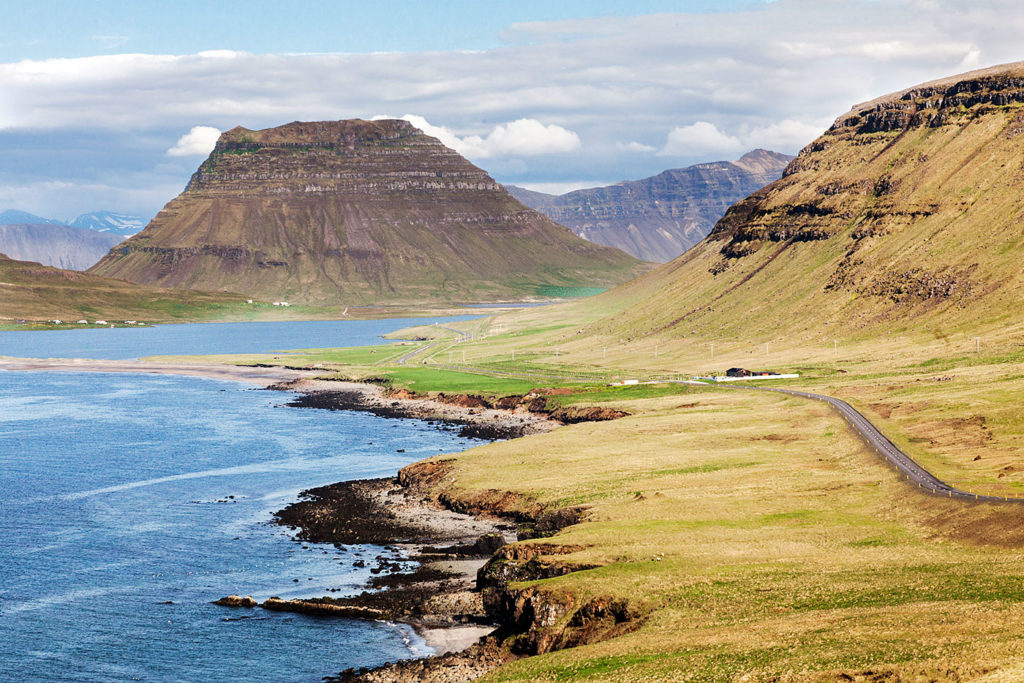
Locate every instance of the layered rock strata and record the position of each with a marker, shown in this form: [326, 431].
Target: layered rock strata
[658, 218]
[355, 212]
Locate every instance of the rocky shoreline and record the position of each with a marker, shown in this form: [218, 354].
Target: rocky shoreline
[439, 598]
[460, 596]
[473, 416]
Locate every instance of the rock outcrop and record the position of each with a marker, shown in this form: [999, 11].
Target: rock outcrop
[356, 212]
[658, 218]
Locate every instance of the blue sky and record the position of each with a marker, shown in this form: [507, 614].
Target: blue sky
[112, 104]
[43, 29]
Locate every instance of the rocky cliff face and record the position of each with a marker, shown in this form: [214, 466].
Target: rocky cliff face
[658, 218]
[355, 212]
[61, 246]
[907, 209]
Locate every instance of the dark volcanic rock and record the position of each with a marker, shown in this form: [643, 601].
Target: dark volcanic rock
[346, 513]
[236, 601]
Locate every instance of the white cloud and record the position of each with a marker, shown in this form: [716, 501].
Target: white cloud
[197, 142]
[564, 187]
[523, 137]
[634, 147]
[715, 84]
[698, 140]
[703, 139]
[787, 134]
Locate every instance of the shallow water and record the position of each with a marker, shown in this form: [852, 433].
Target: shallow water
[129, 502]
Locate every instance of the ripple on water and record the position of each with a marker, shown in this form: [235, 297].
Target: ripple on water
[127, 510]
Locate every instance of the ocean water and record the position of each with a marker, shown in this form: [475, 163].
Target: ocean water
[129, 502]
[123, 343]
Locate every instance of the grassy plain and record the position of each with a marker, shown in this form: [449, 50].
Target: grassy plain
[761, 541]
[755, 535]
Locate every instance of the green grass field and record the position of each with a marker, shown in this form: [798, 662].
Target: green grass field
[753, 535]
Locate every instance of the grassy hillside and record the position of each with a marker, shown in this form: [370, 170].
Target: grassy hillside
[751, 534]
[35, 292]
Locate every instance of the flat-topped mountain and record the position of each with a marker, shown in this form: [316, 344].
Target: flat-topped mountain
[658, 218]
[356, 212]
[905, 214]
[56, 245]
[32, 291]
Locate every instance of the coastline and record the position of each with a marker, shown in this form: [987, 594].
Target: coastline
[440, 599]
[468, 413]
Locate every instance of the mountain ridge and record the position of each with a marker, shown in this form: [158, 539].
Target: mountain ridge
[659, 217]
[33, 291]
[54, 244]
[111, 222]
[355, 212]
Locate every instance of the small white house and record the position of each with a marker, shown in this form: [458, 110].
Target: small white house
[101, 322]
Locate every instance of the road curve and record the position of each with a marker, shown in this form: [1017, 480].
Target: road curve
[405, 358]
[877, 441]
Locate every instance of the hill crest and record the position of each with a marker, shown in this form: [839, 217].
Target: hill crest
[903, 215]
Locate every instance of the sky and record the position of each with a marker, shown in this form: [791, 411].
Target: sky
[112, 104]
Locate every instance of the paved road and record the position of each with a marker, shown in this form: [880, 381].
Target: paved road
[402, 360]
[885, 448]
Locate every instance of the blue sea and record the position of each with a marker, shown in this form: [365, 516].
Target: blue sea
[129, 502]
[123, 343]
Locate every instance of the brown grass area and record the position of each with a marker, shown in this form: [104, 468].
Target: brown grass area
[759, 558]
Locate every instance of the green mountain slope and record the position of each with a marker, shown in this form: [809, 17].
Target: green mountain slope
[905, 214]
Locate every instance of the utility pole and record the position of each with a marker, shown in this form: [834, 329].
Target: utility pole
[604, 352]
[513, 355]
[977, 344]
[766, 348]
